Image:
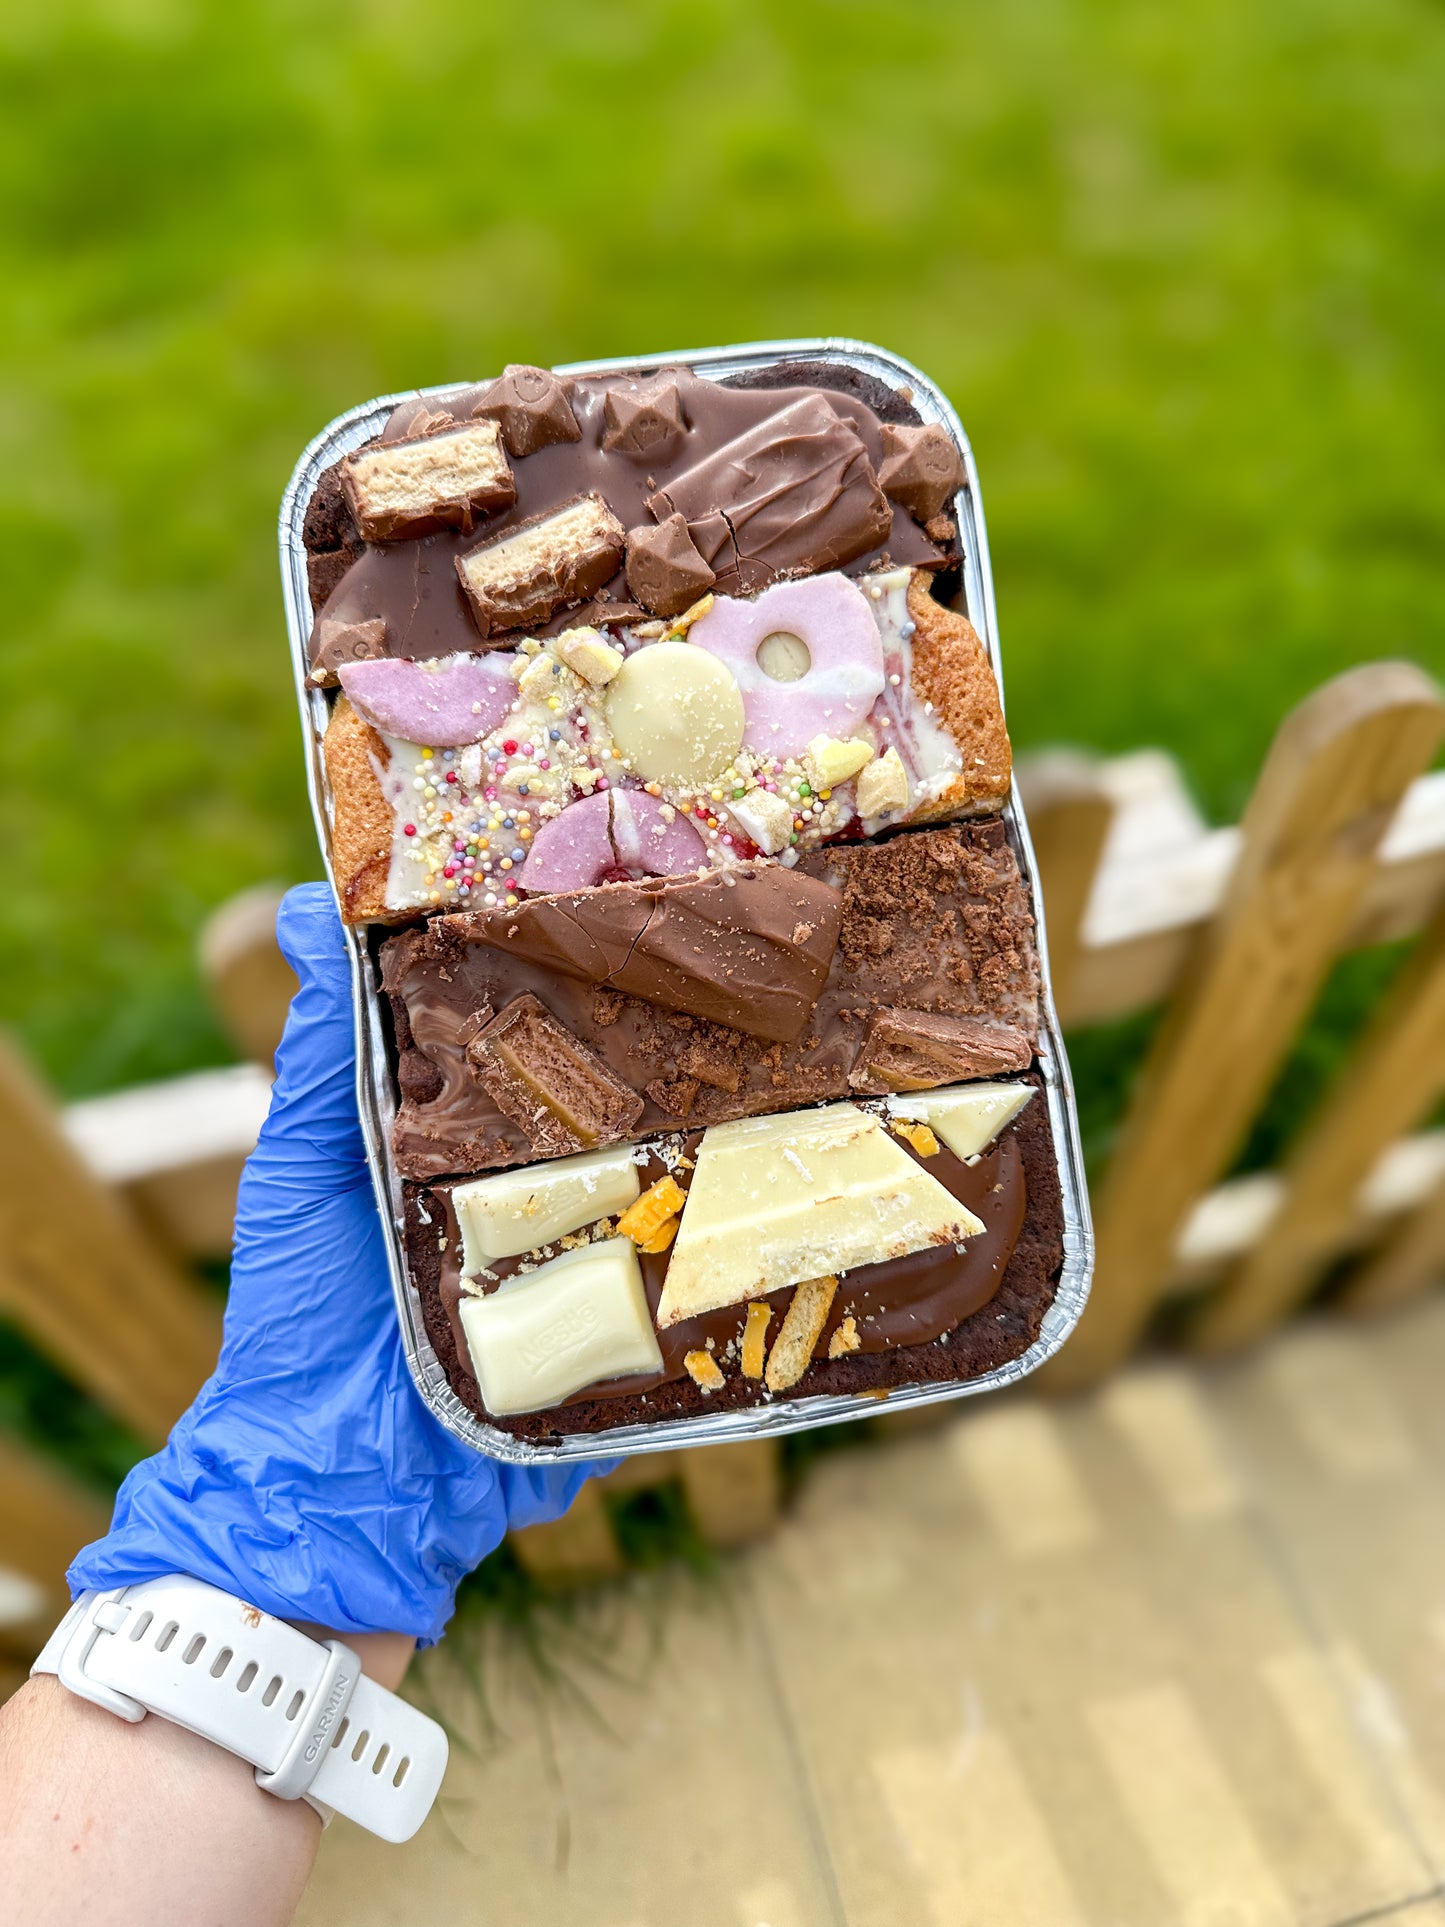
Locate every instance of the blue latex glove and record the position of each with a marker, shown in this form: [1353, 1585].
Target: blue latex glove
[308, 1477]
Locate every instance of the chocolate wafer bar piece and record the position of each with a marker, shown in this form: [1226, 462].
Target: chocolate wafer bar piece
[397, 490]
[521, 575]
[913, 1050]
[751, 951]
[793, 494]
[548, 1083]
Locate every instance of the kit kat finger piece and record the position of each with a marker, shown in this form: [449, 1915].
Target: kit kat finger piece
[521, 575]
[397, 490]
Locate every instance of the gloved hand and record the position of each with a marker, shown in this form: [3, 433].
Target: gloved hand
[308, 1478]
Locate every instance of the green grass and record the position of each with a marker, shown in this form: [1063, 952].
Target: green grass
[1181, 270]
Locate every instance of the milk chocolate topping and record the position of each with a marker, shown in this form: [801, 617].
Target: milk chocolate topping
[413, 586]
[936, 920]
[790, 495]
[751, 951]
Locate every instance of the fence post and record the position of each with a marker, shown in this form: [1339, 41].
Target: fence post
[1410, 1260]
[250, 982]
[575, 1550]
[1329, 786]
[733, 1491]
[1392, 1077]
[78, 1273]
[1069, 811]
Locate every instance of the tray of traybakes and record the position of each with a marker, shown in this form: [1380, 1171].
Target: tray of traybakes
[709, 1074]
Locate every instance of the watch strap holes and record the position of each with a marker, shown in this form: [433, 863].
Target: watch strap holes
[268, 1698]
[142, 1625]
[194, 1650]
[221, 1662]
[248, 1676]
[400, 1773]
[298, 1700]
[341, 1732]
[363, 1740]
[381, 1757]
[167, 1634]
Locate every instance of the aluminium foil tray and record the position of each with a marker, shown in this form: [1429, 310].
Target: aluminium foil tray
[374, 1073]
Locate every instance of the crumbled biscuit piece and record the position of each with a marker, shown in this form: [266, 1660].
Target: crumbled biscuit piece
[760, 1314]
[657, 1204]
[704, 1371]
[764, 819]
[845, 1339]
[399, 490]
[799, 1333]
[919, 1136]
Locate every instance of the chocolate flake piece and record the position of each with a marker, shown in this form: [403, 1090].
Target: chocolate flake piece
[912, 1050]
[921, 469]
[398, 490]
[335, 643]
[548, 1083]
[794, 494]
[644, 421]
[751, 952]
[664, 570]
[532, 408]
[521, 575]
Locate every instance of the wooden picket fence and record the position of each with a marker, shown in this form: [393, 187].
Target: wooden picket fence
[1231, 931]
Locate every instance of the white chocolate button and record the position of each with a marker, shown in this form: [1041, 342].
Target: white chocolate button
[775, 1200]
[570, 1323]
[967, 1117]
[515, 1211]
[676, 714]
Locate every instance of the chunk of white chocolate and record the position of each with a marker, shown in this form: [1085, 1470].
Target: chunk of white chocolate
[516, 1211]
[832, 760]
[775, 1200]
[764, 818]
[883, 787]
[967, 1117]
[573, 1322]
[676, 714]
[586, 653]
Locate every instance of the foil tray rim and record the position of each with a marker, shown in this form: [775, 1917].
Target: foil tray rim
[373, 1081]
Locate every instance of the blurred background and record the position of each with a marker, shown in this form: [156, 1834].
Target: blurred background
[1182, 273]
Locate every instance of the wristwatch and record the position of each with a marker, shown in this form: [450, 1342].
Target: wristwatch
[297, 1709]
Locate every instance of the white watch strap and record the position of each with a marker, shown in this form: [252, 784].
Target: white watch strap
[299, 1711]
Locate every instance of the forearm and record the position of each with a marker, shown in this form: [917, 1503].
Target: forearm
[147, 1825]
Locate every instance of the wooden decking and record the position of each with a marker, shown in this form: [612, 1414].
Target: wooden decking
[1170, 1652]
